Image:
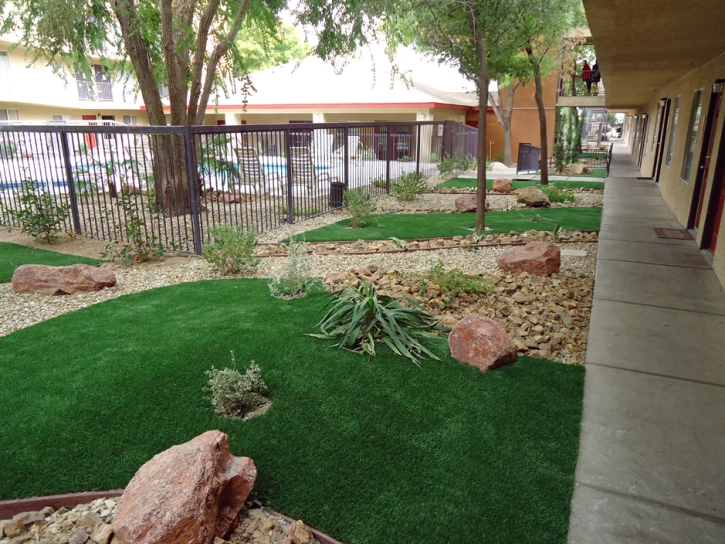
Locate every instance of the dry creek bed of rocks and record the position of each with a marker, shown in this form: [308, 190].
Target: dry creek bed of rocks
[91, 524]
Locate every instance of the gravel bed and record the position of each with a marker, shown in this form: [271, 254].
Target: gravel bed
[18, 311]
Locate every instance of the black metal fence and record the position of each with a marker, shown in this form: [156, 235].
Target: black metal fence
[174, 184]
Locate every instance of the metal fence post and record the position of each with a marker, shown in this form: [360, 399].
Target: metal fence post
[290, 195]
[346, 157]
[191, 168]
[71, 182]
[388, 153]
[417, 152]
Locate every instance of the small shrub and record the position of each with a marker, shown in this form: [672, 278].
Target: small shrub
[232, 251]
[40, 216]
[433, 157]
[405, 158]
[455, 280]
[359, 204]
[499, 157]
[297, 280]
[409, 187]
[8, 150]
[234, 394]
[557, 195]
[380, 183]
[367, 155]
[360, 318]
[449, 164]
[141, 247]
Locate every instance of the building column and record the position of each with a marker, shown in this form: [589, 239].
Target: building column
[233, 118]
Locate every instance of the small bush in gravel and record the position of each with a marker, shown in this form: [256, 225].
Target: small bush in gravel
[409, 187]
[557, 195]
[359, 204]
[142, 247]
[359, 318]
[456, 280]
[234, 394]
[297, 280]
[40, 216]
[232, 251]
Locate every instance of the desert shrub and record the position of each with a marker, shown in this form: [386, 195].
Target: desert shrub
[499, 157]
[455, 280]
[450, 164]
[380, 183]
[232, 251]
[433, 157]
[359, 204]
[140, 247]
[409, 187]
[234, 394]
[40, 216]
[367, 154]
[360, 318]
[557, 195]
[297, 280]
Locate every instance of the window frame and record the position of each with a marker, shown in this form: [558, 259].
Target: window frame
[693, 132]
[673, 130]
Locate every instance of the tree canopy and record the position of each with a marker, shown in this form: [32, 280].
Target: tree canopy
[190, 46]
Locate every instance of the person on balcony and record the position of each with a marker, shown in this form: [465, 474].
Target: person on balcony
[596, 77]
[587, 76]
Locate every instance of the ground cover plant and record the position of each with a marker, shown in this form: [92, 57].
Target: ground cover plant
[435, 225]
[232, 250]
[368, 450]
[13, 255]
[465, 183]
[359, 204]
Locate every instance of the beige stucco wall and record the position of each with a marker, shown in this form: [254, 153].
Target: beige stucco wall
[30, 112]
[678, 193]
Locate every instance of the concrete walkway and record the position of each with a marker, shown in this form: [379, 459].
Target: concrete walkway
[651, 465]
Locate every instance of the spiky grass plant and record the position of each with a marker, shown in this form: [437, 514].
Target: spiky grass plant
[359, 318]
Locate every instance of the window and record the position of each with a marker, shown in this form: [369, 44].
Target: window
[9, 115]
[671, 142]
[130, 120]
[692, 131]
[103, 82]
[4, 60]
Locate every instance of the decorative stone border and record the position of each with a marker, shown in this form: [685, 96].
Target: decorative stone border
[12, 507]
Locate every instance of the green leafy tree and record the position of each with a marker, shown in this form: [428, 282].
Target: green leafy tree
[467, 34]
[261, 50]
[190, 46]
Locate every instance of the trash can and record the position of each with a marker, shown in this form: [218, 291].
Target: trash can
[337, 194]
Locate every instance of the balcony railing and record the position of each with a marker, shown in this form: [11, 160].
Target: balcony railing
[105, 91]
[573, 85]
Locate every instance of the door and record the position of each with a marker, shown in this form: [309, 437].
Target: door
[643, 138]
[90, 137]
[703, 167]
[714, 211]
[661, 138]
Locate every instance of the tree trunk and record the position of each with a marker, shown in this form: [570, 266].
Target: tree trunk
[482, 83]
[504, 116]
[539, 95]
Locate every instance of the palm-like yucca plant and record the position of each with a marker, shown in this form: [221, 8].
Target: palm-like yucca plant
[360, 318]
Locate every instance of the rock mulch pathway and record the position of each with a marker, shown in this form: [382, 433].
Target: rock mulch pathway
[91, 524]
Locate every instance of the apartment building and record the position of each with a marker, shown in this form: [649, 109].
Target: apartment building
[32, 92]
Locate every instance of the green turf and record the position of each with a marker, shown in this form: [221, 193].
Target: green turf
[367, 450]
[13, 255]
[408, 226]
[460, 183]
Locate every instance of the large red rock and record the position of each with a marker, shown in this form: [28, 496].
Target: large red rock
[188, 494]
[537, 258]
[468, 203]
[481, 342]
[502, 185]
[61, 280]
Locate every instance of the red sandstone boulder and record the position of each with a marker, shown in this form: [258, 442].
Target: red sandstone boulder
[531, 196]
[467, 203]
[502, 185]
[537, 258]
[61, 280]
[188, 494]
[481, 342]
[228, 198]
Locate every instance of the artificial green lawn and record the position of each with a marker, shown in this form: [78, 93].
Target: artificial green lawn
[466, 183]
[367, 450]
[433, 225]
[13, 255]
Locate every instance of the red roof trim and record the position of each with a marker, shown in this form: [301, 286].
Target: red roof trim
[362, 105]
